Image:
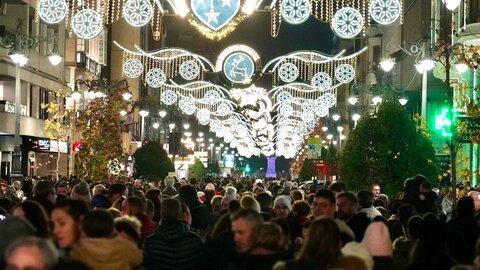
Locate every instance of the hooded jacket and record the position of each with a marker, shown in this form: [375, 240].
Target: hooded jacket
[172, 246]
[107, 253]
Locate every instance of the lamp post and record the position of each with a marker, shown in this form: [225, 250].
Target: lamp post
[423, 65]
[143, 114]
[19, 44]
[340, 130]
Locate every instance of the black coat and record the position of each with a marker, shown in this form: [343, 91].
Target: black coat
[172, 246]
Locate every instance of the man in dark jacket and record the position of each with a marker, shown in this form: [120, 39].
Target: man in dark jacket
[173, 245]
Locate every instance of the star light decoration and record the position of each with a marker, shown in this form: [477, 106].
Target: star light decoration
[242, 116]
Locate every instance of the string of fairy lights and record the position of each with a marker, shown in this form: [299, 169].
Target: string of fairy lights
[305, 89]
[216, 19]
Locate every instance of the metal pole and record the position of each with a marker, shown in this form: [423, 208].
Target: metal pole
[142, 136]
[424, 93]
[17, 151]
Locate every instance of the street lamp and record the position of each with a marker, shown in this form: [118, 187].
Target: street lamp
[19, 44]
[340, 130]
[355, 118]
[143, 114]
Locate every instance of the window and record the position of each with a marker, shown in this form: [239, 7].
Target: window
[80, 45]
[43, 100]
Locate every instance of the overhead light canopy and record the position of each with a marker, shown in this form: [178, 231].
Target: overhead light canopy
[452, 4]
[387, 64]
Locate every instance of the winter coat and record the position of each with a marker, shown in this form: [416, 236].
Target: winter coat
[172, 246]
[107, 253]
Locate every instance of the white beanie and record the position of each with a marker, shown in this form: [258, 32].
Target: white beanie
[285, 200]
[358, 250]
[169, 181]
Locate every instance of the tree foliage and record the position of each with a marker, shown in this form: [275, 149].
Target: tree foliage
[197, 170]
[57, 125]
[386, 147]
[307, 170]
[152, 161]
[101, 128]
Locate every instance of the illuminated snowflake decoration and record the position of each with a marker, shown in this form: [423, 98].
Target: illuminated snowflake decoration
[330, 99]
[215, 125]
[322, 81]
[155, 77]
[137, 12]
[309, 105]
[286, 110]
[203, 116]
[385, 11]
[168, 97]
[228, 138]
[233, 120]
[212, 97]
[223, 109]
[189, 70]
[347, 22]
[345, 73]
[321, 110]
[52, 11]
[307, 116]
[284, 97]
[87, 24]
[187, 105]
[132, 68]
[288, 72]
[295, 11]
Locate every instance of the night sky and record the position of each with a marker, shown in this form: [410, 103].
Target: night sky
[254, 32]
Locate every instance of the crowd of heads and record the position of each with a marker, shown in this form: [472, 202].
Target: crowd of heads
[235, 224]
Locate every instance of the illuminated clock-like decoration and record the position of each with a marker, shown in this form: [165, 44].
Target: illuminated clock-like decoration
[347, 22]
[87, 24]
[138, 12]
[288, 72]
[155, 77]
[295, 11]
[345, 73]
[133, 68]
[52, 11]
[189, 70]
[385, 11]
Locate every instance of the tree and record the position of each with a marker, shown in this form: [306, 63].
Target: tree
[101, 129]
[57, 125]
[386, 147]
[197, 170]
[307, 170]
[152, 161]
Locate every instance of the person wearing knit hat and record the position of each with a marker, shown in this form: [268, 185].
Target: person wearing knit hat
[282, 206]
[358, 250]
[378, 243]
[248, 202]
[230, 195]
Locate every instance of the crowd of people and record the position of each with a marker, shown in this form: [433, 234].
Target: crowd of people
[235, 224]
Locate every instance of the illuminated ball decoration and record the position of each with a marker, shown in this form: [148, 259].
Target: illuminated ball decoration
[52, 11]
[132, 68]
[330, 99]
[321, 81]
[385, 11]
[155, 77]
[212, 96]
[347, 22]
[345, 73]
[168, 97]
[288, 72]
[189, 70]
[223, 109]
[203, 116]
[284, 97]
[187, 105]
[295, 11]
[137, 12]
[87, 23]
[321, 110]
[309, 105]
